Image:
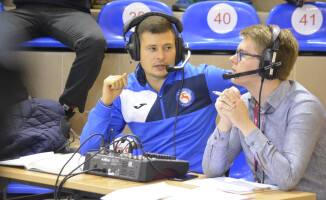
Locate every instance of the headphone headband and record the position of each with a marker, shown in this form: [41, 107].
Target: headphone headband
[275, 41]
[137, 20]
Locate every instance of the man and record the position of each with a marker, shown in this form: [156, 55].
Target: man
[147, 100]
[69, 22]
[289, 148]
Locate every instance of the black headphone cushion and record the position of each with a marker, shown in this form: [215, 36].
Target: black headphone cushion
[265, 60]
[133, 47]
[180, 50]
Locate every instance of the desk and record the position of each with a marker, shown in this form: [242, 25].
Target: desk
[100, 186]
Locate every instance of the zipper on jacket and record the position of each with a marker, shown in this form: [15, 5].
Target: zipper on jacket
[162, 106]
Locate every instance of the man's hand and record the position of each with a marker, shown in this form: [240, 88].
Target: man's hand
[224, 104]
[112, 88]
[233, 110]
[239, 117]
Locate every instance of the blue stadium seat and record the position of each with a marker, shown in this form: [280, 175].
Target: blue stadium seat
[1, 7]
[44, 42]
[240, 169]
[307, 24]
[16, 188]
[114, 14]
[215, 25]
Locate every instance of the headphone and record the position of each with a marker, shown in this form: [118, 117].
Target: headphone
[267, 67]
[133, 46]
[267, 60]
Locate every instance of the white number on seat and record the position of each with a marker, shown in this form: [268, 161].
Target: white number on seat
[133, 10]
[307, 20]
[222, 18]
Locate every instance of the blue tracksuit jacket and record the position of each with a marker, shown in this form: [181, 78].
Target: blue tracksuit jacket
[151, 115]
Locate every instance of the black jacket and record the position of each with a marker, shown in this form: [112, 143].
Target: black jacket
[34, 126]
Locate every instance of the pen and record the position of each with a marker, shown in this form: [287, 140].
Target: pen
[218, 93]
[261, 189]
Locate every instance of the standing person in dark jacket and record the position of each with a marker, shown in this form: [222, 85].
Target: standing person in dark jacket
[69, 22]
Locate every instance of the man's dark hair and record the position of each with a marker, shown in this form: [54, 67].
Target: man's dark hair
[154, 24]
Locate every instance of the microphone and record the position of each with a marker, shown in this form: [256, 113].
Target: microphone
[229, 75]
[171, 68]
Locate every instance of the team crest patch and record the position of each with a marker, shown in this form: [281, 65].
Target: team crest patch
[187, 97]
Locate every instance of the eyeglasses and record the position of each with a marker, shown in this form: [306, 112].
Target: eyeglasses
[241, 53]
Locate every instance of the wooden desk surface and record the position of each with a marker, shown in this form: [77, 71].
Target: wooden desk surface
[105, 185]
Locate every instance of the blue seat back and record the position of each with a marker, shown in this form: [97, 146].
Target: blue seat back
[16, 188]
[116, 13]
[240, 169]
[215, 25]
[1, 7]
[307, 24]
[44, 42]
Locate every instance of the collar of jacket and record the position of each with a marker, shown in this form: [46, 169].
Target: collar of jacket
[140, 75]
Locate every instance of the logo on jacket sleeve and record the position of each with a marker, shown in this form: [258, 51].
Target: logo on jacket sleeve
[187, 97]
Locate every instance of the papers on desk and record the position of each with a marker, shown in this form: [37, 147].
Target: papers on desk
[232, 185]
[207, 194]
[146, 192]
[168, 192]
[48, 162]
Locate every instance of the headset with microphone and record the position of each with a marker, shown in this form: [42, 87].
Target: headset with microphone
[172, 68]
[133, 45]
[268, 68]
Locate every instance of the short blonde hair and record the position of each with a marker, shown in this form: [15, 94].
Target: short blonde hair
[288, 50]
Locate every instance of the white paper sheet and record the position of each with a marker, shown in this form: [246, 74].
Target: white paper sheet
[147, 192]
[205, 193]
[233, 185]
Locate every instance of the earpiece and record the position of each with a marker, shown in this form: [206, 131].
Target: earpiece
[133, 45]
[268, 57]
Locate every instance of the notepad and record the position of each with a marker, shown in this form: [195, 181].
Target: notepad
[232, 185]
[48, 162]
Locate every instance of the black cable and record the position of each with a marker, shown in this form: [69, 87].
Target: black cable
[119, 141]
[261, 87]
[68, 177]
[55, 186]
[111, 136]
[176, 113]
[115, 143]
[58, 190]
[135, 136]
[260, 90]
